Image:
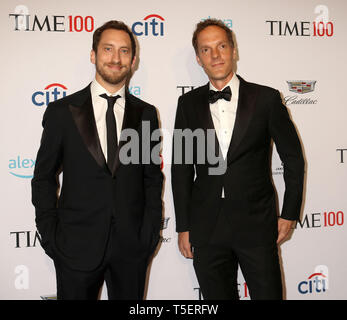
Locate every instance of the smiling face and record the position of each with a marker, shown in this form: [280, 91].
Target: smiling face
[215, 55]
[113, 59]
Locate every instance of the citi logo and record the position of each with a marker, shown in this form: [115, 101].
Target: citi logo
[19, 167]
[151, 25]
[52, 92]
[315, 283]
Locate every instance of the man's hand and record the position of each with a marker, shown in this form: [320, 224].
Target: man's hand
[184, 244]
[284, 227]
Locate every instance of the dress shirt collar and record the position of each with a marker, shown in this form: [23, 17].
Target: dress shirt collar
[97, 89]
[234, 85]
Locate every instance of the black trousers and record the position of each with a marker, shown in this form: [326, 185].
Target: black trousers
[216, 266]
[124, 280]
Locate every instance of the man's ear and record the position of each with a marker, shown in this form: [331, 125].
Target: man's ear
[198, 60]
[234, 53]
[133, 62]
[92, 57]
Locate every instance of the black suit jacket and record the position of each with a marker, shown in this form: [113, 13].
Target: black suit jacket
[247, 181]
[75, 226]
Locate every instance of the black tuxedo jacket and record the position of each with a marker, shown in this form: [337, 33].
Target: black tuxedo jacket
[247, 181]
[75, 226]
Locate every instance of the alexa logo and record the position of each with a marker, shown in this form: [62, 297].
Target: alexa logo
[52, 92]
[227, 21]
[21, 167]
[151, 25]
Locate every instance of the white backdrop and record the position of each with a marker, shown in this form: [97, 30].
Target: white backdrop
[45, 55]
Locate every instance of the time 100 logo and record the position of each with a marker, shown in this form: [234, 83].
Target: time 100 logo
[332, 218]
[79, 24]
[324, 219]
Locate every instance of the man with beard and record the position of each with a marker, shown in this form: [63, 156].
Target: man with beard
[105, 224]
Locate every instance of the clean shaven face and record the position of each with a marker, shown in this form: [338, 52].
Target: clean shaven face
[216, 55]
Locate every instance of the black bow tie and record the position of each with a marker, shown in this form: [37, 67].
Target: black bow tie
[216, 95]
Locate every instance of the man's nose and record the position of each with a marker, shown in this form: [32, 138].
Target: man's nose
[115, 56]
[215, 53]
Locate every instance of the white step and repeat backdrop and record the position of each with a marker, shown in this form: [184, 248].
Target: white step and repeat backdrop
[296, 46]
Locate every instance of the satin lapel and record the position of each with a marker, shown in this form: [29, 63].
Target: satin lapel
[83, 115]
[203, 109]
[244, 113]
[131, 120]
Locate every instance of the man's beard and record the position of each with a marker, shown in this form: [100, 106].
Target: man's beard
[111, 78]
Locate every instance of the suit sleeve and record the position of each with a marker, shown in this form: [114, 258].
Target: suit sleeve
[182, 174]
[153, 181]
[289, 149]
[45, 181]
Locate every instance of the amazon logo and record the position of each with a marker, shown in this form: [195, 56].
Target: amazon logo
[152, 24]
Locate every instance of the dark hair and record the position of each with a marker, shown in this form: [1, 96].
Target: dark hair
[211, 22]
[117, 25]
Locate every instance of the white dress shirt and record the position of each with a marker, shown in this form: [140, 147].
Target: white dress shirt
[100, 108]
[223, 114]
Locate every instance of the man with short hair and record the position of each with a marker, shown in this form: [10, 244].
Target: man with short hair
[230, 219]
[105, 224]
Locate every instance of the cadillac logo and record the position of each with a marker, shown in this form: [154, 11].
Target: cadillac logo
[301, 86]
